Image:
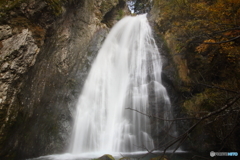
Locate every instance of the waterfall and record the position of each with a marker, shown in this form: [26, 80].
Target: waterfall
[125, 74]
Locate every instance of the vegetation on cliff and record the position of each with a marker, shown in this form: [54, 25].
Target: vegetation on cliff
[204, 41]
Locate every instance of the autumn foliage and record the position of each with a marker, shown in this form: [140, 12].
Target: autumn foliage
[207, 33]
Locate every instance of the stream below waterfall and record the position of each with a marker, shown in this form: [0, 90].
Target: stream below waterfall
[179, 155]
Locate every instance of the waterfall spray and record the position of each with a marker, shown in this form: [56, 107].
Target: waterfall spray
[126, 67]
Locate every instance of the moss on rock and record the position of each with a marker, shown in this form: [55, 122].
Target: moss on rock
[159, 158]
[106, 6]
[57, 6]
[106, 157]
[10, 4]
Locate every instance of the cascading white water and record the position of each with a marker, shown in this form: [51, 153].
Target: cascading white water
[127, 68]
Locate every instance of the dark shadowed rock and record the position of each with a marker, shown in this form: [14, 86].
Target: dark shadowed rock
[46, 50]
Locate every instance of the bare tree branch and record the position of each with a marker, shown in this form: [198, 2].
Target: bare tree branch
[220, 88]
[230, 133]
[231, 39]
[151, 116]
[180, 139]
[226, 30]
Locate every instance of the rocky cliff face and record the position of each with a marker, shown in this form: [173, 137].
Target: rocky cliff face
[46, 48]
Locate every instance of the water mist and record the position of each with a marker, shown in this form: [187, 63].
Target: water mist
[127, 68]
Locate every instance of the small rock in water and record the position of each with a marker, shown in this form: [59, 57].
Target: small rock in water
[125, 158]
[106, 157]
[160, 158]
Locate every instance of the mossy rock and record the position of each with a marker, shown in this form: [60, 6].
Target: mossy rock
[106, 6]
[160, 158]
[106, 157]
[9, 5]
[56, 6]
[125, 158]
